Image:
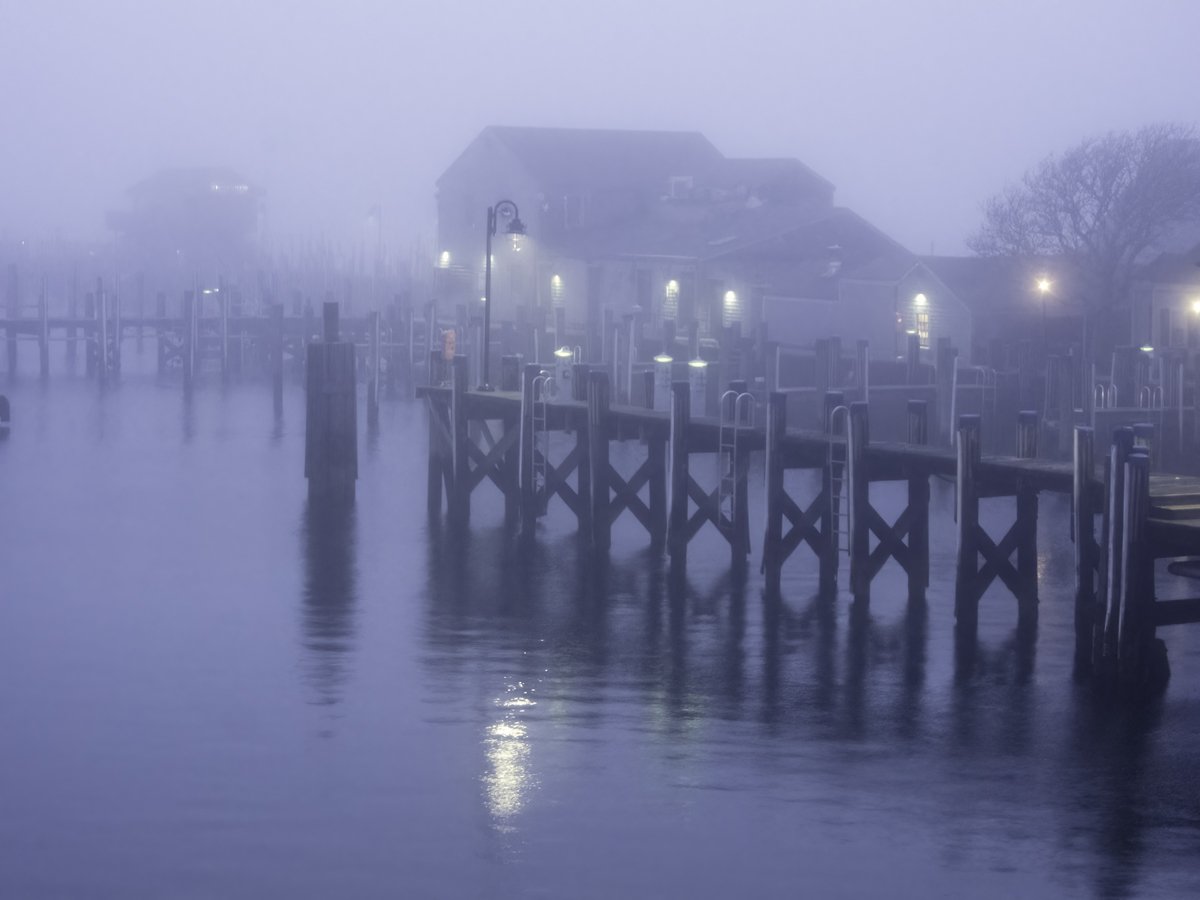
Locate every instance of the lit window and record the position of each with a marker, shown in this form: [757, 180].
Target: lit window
[670, 308]
[444, 259]
[556, 289]
[923, 327]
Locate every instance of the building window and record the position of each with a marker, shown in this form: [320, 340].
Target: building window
[670, 307]
[731, 310]
[556, 290]
[680, 187]
[923, 327]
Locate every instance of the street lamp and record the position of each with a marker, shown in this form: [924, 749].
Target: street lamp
[506, 210]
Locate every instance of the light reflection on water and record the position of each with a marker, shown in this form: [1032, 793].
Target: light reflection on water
[208, 688]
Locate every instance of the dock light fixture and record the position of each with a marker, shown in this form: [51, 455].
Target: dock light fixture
[920, 300]
[505, 211]
[1146, 348]
[1044, 285]
[1196, 307]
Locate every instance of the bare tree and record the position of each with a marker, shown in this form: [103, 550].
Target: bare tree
[1104, 207]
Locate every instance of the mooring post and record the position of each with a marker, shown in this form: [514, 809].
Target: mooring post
[832, 475]
[966, 501]
[331, 422]
[944, 361]
[189, 338]
[276, 345]
[460, 453]
[857, 440]
[141, 310]
[773, 539]
[528, 444]
[43, 335]
[1137, 576]
[918, 506]
[598, 435]
[374, 345]
[512, 369]
[1143, 439]
[117, 326]
[13, 304]
[1114, 530]
[1027, 516]
[862, 369]
[677, 521]
[72, 314]
[580, 379]
[1083, 531]
[160, 331]
[89, 334]
[223, 308]
[102, 331]
[821, 366]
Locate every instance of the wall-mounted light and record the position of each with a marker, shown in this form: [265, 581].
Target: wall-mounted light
[444, 259]
[920, 300]
[1196, 307]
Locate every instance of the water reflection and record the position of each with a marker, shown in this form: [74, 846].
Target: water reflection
[328, 608]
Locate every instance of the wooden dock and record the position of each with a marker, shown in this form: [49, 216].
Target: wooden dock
[1119, 529]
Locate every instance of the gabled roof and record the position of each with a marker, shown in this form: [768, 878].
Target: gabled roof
[194, 180]
[781, 178]
[598, 158]
[1172, 268]
[1007, 285]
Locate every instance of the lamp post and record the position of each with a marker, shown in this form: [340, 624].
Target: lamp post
[506, 210]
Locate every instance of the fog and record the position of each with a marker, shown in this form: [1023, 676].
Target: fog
[916, 110]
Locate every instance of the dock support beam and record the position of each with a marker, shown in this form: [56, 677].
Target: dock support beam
[857, 440]
[1083, 531]
[773, 539]
[966, 503]
[598, 433]
[1027, 516]
[677, 520]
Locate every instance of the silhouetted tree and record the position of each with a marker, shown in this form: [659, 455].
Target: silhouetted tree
[1105, 206]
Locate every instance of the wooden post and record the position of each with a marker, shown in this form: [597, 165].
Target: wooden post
[511, 371]
[102, 332]
[43, 335]
[1137, 581]
[857, 440]
[918, 507]
[72, 313]
[276, 345]
[677, 521]
[862, 369]
[1027, 516]
[598, 435]
[944, 375]
[141, 310]
[331, 430]
[13, 304]
[189, 338]
[1083, 530]
[1114, 528]
[374, 341]
[528, 488]
[160, 331]
[833, 473]
[89, 334]
[773, 539]
[912, 358]
[223, 308]
[966, 499]
[580, 381]
[656, 454]
[460, 454]
[821, 366]
[693, 328]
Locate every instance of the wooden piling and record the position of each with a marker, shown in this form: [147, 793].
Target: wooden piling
[773, 538]
[832, 475]
[189, 338]
[1083, 531]
[1027, 516]
[331, 430]
[460, 452]
[12, 302]
[918, 506]
[858, 439]
[677, 517]
[375, 357]
[1114, 530]
[276, 351]
[102, 357]
[1137, 576]
[43, 335]
[598, 434]
[966, 501]
[529, 507]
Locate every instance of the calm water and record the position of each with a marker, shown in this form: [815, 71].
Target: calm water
[209, 691]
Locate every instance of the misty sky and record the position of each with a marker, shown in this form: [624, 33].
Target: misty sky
[916, 110]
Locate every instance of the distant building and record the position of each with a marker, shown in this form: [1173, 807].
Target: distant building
[190, 222]
[1164, 308]
[665, 222]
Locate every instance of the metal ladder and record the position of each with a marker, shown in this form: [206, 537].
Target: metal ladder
[837, 493]
[737, 411]
[544, 388]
